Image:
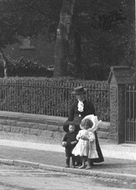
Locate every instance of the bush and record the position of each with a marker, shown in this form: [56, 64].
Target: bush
[26, 68]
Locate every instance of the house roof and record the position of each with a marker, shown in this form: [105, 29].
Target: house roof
[122, 74]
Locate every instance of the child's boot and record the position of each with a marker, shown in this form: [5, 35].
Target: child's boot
[73, 161]
[67, 162]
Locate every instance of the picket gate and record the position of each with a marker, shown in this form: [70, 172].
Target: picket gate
[130, 113]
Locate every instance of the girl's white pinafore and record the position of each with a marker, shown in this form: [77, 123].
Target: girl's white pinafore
[82, 147]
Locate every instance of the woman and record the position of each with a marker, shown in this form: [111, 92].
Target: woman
[79, 109]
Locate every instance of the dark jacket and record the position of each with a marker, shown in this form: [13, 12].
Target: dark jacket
[88, 109]
[69, 137]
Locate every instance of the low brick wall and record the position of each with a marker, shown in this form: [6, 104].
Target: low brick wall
[37, 128]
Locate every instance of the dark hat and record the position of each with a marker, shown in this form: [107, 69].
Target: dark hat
[79, 90]
[76, 122]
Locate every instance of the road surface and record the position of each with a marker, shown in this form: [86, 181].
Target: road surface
[24, 178]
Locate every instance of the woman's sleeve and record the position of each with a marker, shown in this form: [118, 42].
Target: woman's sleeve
[71, 113]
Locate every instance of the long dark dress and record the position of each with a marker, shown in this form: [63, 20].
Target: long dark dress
[74, 113]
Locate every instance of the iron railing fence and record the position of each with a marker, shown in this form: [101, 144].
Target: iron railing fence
[50, 97]
[130, 126]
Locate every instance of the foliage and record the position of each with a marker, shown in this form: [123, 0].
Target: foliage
[104, 27]
[29, 17]
[24, 67]
[107, 35]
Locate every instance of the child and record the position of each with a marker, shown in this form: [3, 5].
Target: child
[86, 141]
[69, 142]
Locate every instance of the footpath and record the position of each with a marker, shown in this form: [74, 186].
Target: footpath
[120, 160]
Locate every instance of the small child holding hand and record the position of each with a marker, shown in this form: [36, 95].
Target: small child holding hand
[69, 142]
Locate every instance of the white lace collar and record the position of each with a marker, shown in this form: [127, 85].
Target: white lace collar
[80, 106]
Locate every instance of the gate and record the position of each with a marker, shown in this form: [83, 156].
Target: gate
[130, 113]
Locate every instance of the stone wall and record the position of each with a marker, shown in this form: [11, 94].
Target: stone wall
[37, 128]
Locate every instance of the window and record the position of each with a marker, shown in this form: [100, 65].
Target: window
[26, 44]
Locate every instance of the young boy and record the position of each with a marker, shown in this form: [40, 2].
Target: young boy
[69, 142]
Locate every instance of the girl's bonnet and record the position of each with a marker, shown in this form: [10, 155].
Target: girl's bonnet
[94, 120]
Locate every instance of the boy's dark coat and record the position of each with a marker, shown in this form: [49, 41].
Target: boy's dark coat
[69, 137]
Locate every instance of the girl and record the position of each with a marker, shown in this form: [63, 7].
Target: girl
[86, 147]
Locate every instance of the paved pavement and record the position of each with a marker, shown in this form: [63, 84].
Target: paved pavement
[120, 160]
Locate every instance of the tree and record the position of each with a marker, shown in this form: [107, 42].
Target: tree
[107, 36]
[89, 34]
[27, 18]
[62, 58]
[7, 35]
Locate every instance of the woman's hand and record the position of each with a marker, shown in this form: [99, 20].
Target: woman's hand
[84, 137]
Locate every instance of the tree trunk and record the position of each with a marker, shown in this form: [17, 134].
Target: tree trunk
[4, 63]
[135, 38]
[62, 58]
[77, 54]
